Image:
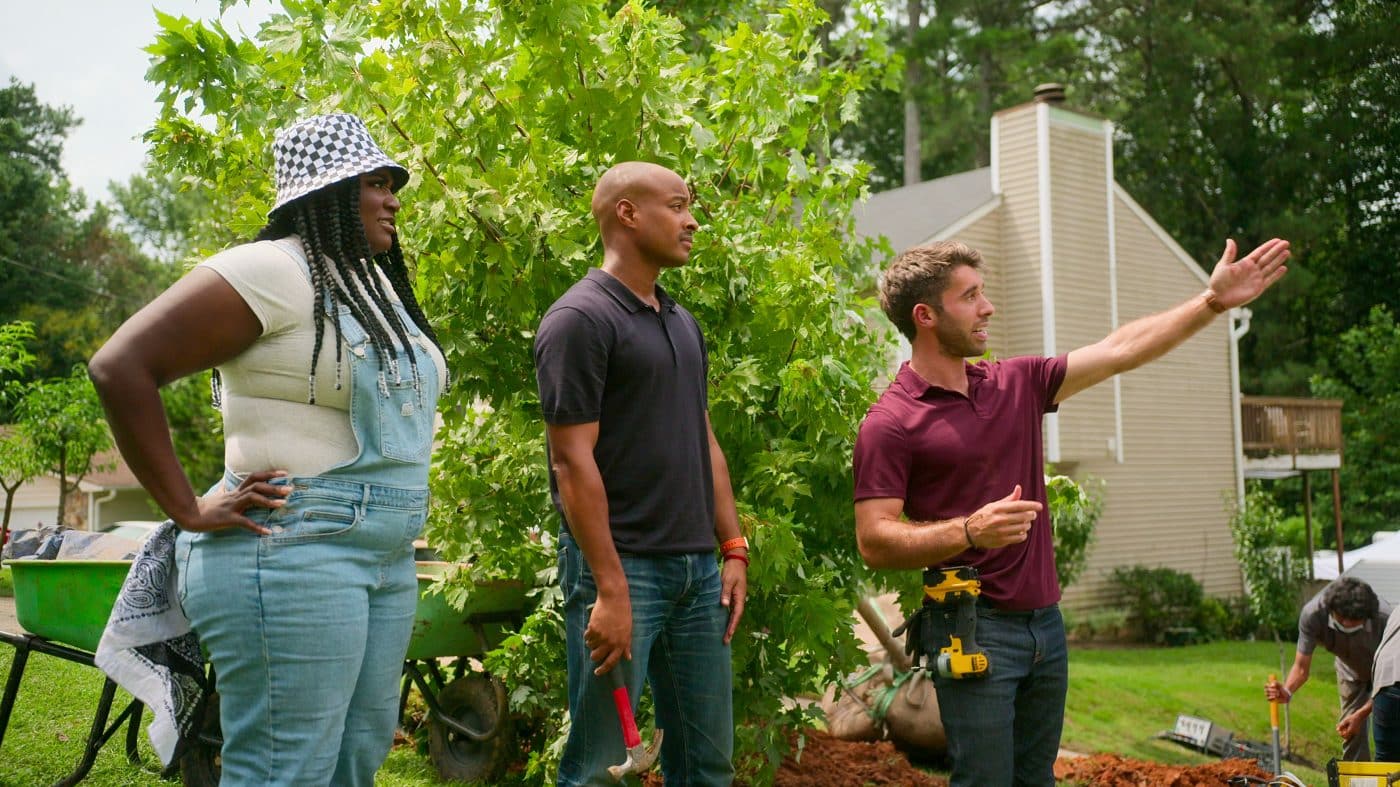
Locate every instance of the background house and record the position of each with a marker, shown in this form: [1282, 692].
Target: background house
[1070, 256]
[103, 498]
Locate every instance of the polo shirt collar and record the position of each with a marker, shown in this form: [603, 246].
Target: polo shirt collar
[918, 387]
[625, 297]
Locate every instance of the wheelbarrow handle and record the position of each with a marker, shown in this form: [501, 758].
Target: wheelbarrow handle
[623, 700]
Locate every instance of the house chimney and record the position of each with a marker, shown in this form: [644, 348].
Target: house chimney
[1050, 93]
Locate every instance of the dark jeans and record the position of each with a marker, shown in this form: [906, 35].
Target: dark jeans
[677, 648]
[1385, 723]
[1005, 729]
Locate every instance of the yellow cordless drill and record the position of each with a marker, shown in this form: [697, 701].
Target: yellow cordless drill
[958, 588]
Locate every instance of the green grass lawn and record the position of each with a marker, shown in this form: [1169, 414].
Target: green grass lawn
[7, 583]
[1118, 700]
[54, 710]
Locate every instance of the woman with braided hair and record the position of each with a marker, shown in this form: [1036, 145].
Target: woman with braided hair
[296, 571]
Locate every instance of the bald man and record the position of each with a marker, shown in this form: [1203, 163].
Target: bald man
[643, 492]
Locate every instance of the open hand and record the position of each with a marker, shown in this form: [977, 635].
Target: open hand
[223, 508]
[1237, 282]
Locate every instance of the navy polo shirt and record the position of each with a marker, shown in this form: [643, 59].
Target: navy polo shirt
[602, 354]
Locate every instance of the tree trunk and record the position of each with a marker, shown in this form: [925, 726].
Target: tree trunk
[62, 483]
[9, 507]
[913, 81]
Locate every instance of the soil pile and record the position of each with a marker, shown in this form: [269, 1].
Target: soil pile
[831, 762]
[1110, 770]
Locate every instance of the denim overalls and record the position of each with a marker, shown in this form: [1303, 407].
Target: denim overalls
[307, 627]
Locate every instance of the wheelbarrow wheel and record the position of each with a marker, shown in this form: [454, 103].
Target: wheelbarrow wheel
[471, 701]
[200, 765]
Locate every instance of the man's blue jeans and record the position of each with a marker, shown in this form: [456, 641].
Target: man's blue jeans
[1005, 729]
[1385, 723]
[677, 644]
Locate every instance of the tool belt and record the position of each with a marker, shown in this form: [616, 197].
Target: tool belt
[944, 589]
[920, 642]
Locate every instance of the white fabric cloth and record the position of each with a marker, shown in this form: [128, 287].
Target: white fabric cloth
[149, 649]
[1386, 669]
[268, 423]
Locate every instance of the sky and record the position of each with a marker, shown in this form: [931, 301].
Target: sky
[87, 55]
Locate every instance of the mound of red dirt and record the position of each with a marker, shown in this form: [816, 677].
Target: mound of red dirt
[830, 762]
[1110, 770]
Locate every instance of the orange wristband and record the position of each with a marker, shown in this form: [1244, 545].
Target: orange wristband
[734, 543]
[736, 556]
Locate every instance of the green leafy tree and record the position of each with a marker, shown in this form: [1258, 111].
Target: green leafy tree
[1273, 571]
[18, 464]
[18, 461]
[1362, 373]
[507, 113]
[963, 61]
[170, 216]
[1074, 513]
[64, 426]
[38, 207]
[197, 428]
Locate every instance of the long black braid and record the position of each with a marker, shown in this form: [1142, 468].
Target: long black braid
[343, 274]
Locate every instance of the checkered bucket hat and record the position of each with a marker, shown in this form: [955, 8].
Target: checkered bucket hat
[322, 150]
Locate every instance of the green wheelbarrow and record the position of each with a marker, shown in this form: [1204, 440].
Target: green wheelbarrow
[64, 604]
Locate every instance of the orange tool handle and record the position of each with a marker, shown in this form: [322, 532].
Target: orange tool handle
[1273, 705]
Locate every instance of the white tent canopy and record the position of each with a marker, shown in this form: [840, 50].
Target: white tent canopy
[1377, 564]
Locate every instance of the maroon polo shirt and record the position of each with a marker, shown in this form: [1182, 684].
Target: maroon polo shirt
[947, 455]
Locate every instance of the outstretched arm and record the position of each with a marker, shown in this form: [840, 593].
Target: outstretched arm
[1233, 283]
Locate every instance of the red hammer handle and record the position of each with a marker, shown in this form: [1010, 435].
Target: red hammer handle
[623, 701]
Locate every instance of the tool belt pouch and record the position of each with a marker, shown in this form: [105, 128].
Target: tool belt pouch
[920, 642]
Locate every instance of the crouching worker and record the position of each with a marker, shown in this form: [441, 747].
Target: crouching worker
[1346, 618]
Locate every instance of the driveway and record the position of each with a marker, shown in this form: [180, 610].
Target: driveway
[7, 616]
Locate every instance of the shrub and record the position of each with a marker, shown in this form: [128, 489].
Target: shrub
[1273, 573]
[1159, 599]
[1074, 513]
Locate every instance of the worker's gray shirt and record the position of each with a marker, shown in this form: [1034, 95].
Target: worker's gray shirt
[1354, 652]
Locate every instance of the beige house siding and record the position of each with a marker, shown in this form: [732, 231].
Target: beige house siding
[1166, 503]
[1079, 217]
[1020, 307]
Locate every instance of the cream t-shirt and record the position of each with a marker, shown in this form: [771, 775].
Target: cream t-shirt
[268, 424]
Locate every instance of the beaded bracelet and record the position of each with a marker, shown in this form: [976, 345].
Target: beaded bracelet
[736, 556]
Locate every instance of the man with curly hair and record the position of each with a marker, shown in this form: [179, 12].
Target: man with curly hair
[1348, 619]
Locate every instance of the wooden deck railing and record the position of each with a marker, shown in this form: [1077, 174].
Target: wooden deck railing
[1285, 425]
